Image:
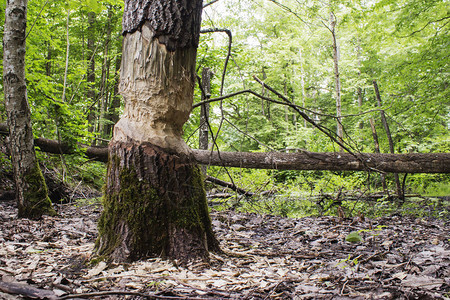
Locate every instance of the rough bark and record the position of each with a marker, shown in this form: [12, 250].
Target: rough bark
[176, 24]
[154, 202]
[393, 163]
[31, 191]
[154, 205]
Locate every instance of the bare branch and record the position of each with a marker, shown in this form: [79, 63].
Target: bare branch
[209, 3]
[425, 26]
[230, 41]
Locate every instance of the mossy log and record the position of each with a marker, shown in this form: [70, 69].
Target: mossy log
[154, 206]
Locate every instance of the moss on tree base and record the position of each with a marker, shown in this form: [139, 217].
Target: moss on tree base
[154, 206]
[36, 201]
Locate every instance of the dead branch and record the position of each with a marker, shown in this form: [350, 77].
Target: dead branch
[229, 185]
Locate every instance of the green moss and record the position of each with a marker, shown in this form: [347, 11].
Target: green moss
[136, 206]
[142, 213]
[36, 200]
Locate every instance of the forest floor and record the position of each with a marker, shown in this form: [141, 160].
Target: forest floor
[267, 257]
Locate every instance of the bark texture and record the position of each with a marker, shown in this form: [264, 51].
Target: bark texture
[31, 191]
[155, 203]
[175, 23]
[393, 163]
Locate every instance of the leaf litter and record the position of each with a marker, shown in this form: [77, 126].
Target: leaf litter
[265, 257]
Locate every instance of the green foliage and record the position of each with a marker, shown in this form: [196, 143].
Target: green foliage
[403, 45]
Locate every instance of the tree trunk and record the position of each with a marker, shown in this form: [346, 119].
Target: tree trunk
[155, 202]
[389, 136]
[31, 190]
[392, 163]
[90, 77]
[203, 140]
[340, 129]
[302, 83]
[377, 150]
[104, 92]
[113, 115]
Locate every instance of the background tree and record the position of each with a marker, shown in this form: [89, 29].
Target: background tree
[31, 190]
[154, 202]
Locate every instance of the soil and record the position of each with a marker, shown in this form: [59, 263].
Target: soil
[265, 257]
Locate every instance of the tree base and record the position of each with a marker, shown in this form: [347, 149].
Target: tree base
[35, 194]
[154, 206]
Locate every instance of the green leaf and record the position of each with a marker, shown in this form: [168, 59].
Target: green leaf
[354, 237]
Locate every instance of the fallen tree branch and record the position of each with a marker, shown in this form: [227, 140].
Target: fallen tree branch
[26, 290]
[229, 185]
[331, 161]
[385, 162]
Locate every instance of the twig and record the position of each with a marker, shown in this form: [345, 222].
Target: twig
[38, 16]
[325, 130]
[230, 41]
[273, 290]
[129, 293]
[229, 185]
[343, 287]
[209, 3]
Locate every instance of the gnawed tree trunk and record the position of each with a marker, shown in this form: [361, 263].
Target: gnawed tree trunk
[155, 202]
[31, 190]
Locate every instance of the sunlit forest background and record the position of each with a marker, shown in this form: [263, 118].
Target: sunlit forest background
[73, 60]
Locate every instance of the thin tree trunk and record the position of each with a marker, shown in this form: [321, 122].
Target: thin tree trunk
[113, 115]
[203, 141]
[31, 190]
[359, 89]
[340, 129]
[48, 62]
[105, 77]
[155, 202]
[90, 78]
[377, 150]
[66, 69]
[302, 82]
[389, 136]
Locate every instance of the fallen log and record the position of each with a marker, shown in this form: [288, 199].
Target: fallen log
[331, 161]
